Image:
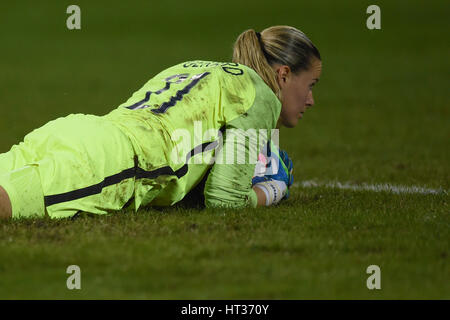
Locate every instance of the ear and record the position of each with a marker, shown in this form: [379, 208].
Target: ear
[283, 74]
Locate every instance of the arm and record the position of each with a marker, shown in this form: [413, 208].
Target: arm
[260, 195]
[226, 188]
[229, 183]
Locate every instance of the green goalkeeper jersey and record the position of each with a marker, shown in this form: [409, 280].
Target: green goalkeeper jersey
[190, 118]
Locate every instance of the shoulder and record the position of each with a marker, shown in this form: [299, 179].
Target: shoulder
[243, 94]
[239, 89]
[221, 69]
[228, 71]
[261, 107]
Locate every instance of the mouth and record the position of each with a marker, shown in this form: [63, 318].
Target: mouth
[300, 115]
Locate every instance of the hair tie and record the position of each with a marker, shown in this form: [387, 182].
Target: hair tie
[261, 44]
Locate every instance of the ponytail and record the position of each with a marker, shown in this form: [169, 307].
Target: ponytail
[248, 50]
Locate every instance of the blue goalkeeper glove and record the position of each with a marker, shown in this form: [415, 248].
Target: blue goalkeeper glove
[275, 173]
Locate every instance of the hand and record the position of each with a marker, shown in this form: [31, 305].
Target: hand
[274, 165]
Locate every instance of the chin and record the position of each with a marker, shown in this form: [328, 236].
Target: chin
[291, 124]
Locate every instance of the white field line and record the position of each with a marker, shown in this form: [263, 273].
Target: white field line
[384, 187]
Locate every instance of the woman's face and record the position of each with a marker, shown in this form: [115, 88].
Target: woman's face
[296, 91]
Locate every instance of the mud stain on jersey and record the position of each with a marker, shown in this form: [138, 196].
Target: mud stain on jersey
[199, 116]
[187, 99]
[201, 84]
[232, 98]
[164, 136]
[242, 86]
[143, 128]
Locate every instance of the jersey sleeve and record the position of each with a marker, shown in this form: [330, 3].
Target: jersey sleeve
[229, 184]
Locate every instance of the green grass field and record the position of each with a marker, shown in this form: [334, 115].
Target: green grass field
[381, 117]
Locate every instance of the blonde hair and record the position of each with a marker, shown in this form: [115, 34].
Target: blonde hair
[283, 45]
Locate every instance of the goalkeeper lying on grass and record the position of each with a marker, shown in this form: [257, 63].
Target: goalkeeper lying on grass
[133, 155]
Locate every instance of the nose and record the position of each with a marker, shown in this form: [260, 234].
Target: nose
[310, 100]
